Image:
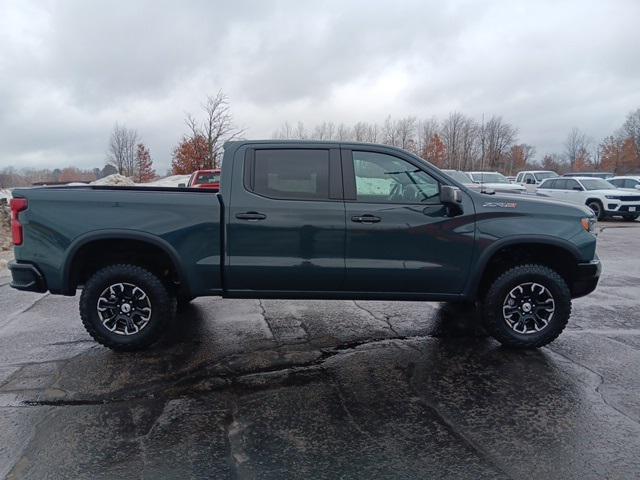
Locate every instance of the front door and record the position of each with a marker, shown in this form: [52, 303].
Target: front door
[400, 237]
[286, 221]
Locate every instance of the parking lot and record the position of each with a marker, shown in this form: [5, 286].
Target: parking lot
[326, 389]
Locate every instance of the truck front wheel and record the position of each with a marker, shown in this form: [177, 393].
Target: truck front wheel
[527, 306]
[125, 307]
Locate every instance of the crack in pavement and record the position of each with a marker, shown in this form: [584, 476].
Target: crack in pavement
[14, 316]
[220, 381]
[597, 388]
[263, 313]
[385, 320]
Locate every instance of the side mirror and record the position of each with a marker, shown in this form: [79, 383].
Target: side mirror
[182, 185]
[637, 187]
[450, 196]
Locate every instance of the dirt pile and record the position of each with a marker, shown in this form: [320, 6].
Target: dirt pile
[5, 226]
[115, 179]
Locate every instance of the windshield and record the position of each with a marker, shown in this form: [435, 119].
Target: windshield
[203, 178]
[543, 175]
[459, 176]
[492, 177]
[596, 184]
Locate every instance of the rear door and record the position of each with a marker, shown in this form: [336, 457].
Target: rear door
[399, 236]
[574, 191]
[286, 221]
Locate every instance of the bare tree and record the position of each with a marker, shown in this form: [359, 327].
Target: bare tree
[496, 139]
[425, 131]
[324, 131]
[284, 132]
[576, 146]
[122, 149]
[406, 130]
[300, 131]
[343, 133]
[451, 135]
[216, 128]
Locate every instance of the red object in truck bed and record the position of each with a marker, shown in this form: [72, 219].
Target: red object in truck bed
[205, 179]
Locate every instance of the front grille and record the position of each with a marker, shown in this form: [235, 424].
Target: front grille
[631, 198]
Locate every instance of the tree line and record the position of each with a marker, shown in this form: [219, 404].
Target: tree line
[458, 142]
[461, 142]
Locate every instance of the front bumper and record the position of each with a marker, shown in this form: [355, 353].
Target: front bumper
[586, 278]
[26, 277]
[613, 206]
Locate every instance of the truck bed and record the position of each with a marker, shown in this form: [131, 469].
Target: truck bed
[184, 222]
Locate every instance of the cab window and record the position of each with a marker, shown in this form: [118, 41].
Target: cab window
[382, 178]
[301, 174]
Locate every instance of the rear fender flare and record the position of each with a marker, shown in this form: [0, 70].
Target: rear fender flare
[87, 238]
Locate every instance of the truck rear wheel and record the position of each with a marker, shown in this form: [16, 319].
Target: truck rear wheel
[527, 306]
[125, 307]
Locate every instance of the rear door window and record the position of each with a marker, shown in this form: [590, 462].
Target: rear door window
[572, 184]
[301, 174]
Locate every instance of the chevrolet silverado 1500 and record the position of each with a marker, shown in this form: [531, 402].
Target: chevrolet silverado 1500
[303, 220]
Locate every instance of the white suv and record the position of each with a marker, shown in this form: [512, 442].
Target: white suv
[631, 182]
[598, 194]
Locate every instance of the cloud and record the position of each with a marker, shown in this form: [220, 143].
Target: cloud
[70, 69]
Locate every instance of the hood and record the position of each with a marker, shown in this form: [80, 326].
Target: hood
[617, 192]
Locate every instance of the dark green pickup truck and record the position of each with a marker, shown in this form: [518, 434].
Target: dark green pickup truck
[305, 220]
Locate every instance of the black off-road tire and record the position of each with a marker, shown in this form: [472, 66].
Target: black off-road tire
[597, 208]
[492, 306]
[183, 301]
[163, 307]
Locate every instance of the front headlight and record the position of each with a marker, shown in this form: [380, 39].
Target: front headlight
[589, 224]
[612, 197]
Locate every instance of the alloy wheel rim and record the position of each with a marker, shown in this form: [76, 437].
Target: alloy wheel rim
[124, 308]
[528, 308]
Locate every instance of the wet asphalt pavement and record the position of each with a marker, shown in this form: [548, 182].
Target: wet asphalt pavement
[324, 389]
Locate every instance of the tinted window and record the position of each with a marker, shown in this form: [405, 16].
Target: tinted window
[388, 179]
[542, 175]
[297, 174]
[629, 183]
[561, 184]
[208, 177]
[571, 184]
[549, 184]
[618, 183]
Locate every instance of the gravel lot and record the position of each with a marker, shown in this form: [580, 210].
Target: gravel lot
[320, 389]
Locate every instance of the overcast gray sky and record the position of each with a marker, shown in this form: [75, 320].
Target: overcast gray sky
[70, 69]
